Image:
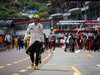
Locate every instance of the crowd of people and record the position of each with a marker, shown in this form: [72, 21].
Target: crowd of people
[76, 42]
[13, 41]
[71, 42]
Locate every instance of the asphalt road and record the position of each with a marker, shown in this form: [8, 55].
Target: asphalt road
[17, 62]
[58, 62]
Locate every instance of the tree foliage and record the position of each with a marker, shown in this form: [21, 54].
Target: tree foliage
[3, 14]
[10, 8]
[14, 4]
[31, 6]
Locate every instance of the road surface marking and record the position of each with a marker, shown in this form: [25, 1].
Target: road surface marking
[98, 65]
[78, 73]
[20, 60]
[23, 70]
[15, 74]
[2, 66]
[47, 57]
[56, 65]
[90, 56]
[14, 62]
[8, 64]
[29, 67]
[76, 70]
[24, 59]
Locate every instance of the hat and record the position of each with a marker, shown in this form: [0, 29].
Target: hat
[36, 17]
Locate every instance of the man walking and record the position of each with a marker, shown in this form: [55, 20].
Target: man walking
[18, 42]
[8, 39]
[36, 37]
[66, 43]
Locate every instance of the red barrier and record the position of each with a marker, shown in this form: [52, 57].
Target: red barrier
[1, 40]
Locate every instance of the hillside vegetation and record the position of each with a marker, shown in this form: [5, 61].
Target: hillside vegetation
[15, 8]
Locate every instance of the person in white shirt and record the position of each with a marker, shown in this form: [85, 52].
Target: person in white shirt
[8, 39]
[36, 37]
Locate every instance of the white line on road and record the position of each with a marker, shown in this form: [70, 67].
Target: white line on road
[98, 65]
[75, 73]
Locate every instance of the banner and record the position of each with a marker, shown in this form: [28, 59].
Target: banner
[6, 23]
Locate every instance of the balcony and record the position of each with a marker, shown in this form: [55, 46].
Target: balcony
[92, 4]
[56, 16]
[55, 10]
[75, 11]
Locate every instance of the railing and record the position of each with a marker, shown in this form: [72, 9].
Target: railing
[3, 46]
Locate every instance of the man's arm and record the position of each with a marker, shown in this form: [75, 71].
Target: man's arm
[42, 34]
[27, 32]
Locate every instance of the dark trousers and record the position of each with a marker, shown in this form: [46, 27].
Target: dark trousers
[73, 47]
[66, 44]
[18, 45]
[35, 48]
[25, 45]
[95, 47]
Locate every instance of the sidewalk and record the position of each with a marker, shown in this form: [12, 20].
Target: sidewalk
[58, 65]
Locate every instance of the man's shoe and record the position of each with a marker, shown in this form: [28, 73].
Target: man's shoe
[36, 68]
[32, 64]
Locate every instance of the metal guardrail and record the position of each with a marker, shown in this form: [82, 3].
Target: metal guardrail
[3, 46]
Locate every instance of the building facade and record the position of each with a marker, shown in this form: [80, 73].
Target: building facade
[71, 10]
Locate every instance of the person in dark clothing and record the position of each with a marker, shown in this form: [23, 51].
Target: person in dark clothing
[46, 43]
[22, 43]
[18, 42]
[78, 41]
[95, 44]
[66, 43]
[73, 44]
[98, 42]
[72, 40]
[13, 41]
[25, 43]
[54, 42]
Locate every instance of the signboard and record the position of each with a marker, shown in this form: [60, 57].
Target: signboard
[9, 22]
[6, 23]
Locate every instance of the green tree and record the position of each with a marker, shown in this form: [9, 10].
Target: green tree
[31, 6]
[3, 14]
[43, 12]
[6, 7]
[14, 4]
[10, 12]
